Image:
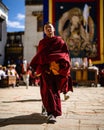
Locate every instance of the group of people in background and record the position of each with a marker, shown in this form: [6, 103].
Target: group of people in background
[27, 75]
[9, 71]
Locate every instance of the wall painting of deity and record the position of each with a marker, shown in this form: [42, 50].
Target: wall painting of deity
[80, 24]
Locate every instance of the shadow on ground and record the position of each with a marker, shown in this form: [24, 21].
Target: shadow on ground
[35, 118]
[28, 100]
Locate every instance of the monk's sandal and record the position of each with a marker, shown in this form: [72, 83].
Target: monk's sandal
[51, 119]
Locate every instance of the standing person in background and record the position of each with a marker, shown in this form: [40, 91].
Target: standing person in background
[34, 79]
[52, 64]
[25, 65]
[12, 72]
[25, 73]
[19, 63]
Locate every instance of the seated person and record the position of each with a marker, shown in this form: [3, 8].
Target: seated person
[2, 73]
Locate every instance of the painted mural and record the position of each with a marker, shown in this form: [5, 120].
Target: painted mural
[79, 23]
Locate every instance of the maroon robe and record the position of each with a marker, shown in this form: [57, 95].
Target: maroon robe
[49, 50]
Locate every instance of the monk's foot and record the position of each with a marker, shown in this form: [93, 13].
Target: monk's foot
[51, 119]
[44, 112]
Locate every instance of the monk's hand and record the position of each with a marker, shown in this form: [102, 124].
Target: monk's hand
[54, 67]
[37, 74]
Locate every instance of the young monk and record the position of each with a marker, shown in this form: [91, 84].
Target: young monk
[52, 64]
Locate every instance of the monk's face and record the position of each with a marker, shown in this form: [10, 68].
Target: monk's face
[49, 30]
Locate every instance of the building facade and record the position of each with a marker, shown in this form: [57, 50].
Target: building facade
[14, 47]
[3, 30]
[33, 27]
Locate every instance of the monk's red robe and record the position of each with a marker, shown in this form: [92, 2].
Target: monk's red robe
[49, 50]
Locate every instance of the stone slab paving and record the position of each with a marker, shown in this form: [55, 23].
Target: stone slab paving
[20, 109]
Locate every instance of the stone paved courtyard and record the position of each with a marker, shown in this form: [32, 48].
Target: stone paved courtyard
[20, 109]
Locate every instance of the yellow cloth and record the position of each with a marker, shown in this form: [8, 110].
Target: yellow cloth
[54, 67]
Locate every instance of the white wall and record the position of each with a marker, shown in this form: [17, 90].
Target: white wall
[3, 42]
[4, 13]
[31, 36]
